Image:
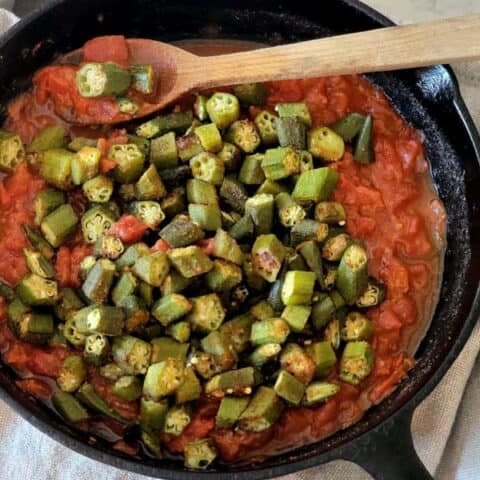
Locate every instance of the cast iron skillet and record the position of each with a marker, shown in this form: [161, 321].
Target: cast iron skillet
[428, 98]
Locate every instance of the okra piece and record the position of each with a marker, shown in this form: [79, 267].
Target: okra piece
[79, 142]
[312, 255]
[357, 327]
[251, 172]
[223, 276]
[7, 292]
[268, 254]
[208, 167]
[152, 416]
[109, 246]
[100, 79]
[15, 312]
[271, 187]
[38, 242]
[229, 219]
[129, 159]
[143, 78]
[174, 203]
[272, 330]
[262, 412]
[181, 231]
[188, 146]
[36, 328]
[37, 291]
[242, 228]
[357, 362]
[190, 389]
[177, 419]
[164, 347]
[230, 410]
[291, 132]
[46, 202]
[226, 247]
[233, 194]
[199, 454]
[200, 108]
[127, 192]
[280, 162]
[315, 185]
[174, 283]
[163, 378]
[296, 361]
[208, 217]
[262, 310]
[294, 109]
[150, 186]
[175, 177]
[230, 155]
[58, 225]
[263, 354]
[131, 354]
[364, 147]
[72, 333]
[209, 136]
[296, 316]
[170, 308]
[244, 134]
[128, 388]
[176, 121]
[349, 126]
[318, 392]
[333, 249]
[352, 277]
[190, 261]
[38, 264]
[98, 189]
[324, 143]
[97, 349]
[306, 161]
[297, 288]
[179, 331]
[238, 331]
[91, 399]
[330, 212]
[266, 124]
[69, 407]
[152, 444]
[252, 278]
[148, 212]
[106, 320]
[205, 364]
[11, 151]
[322, 311]
[289, 388]
[96, 222]
[85, 164]
[126, 285]
[251, 93]
[126, 105]
[294, 261]
[132, 254]
[72, 374]
[222, 348]
[96, 286]
[56, 168]
[260, 207]
[164, 151]
[223, 109]
[234, 382]
[373, 295]
[207, 313]
[332, 333]
[324, 357]
[289, 212]
[330, 276]
[54, 136]
[199, 191]
[152, 268]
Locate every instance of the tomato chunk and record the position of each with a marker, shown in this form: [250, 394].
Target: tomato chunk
[110, 48]
[129, 229]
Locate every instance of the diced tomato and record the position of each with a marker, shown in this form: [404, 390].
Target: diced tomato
[110, 48]
[35, 387]
[161, 245]
[207, 245]
[67, 264]
[106, 165]
[129, 229]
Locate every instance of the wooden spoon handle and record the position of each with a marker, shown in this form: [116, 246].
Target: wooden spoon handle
[391, 48]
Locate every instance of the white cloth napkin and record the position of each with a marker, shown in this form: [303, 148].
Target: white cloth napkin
[26, 453]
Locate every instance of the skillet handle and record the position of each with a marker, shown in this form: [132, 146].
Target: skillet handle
[387, 452]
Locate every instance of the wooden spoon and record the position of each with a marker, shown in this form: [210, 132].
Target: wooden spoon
[392, 48]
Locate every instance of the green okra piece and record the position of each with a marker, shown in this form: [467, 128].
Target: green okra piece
[85, 164]
[223, 276]
[179, 331]
[271, 187]
[373, 295]
[199, 191]
[150, 186]
[7, 292]
[129, 159]
[174, 203]
[330, 277]
[79, 142]
[54, 136]
[165, 347]
[100, 79]
[205, 364]
[318, 392]
[289, 212]
[131, 354]
[312, 255]
[230, 155]
[12, 151]
[174, 283]
[262, 412]
[199, 454]
[294, 261]
[315, 185]
[177, 419]
[72, 374]
[38, 242]
[170, 308]
[306, 160]
[322, 311]
[208, 217]
[176, 121]
[222, 348]
[142, 143]
[188, 146]
[164, 151]
[223, 109]
[38, 264]
[132, 254]
[226, 247]
[237, 382]
[127, 192]
[266, 124]
[364, 152]
[36, 328]
[230, 410]
[271, 330]
[72, 333]
[143, 78]
[324, 357]
[126, 285]
[200, 107]
[280, 162]
[96, 222]
[297, 288]
[190, 261]
[152, 415]
[251, 93]
[252, 278]
[152, 268]
[324, 143]
[56, 167]
[330, 212]
[99, 280]
[37, 291]
[251, 172]
[356, 327]
[264, 353]
[128, 388]
[209, 136]
[352, 276]
[190, 389]
[357, 362]
[99, 189]
[106, 320]
[242, 228]
[109, 246]
[334, 248]
[163, 378]
[58, 225]
[308, 230]
[91, 399]
[349, 126]
[148, 212]
[229, 219]
[262, 310]
[126, 105]
[296, 361]
[69, 407]
[145, 292]
[152, 444]
[332, 333]
[233, 193]
[181, 231]
[15, 312]
[46, 202]
[296, 316]
[207, 313]
[289, 388]
[97, 349]
[260, 207]
[244, 134]
[238, 331]
[294, 109]
[175, 177]
[208, 167]
[291, 132]
[268, 254]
